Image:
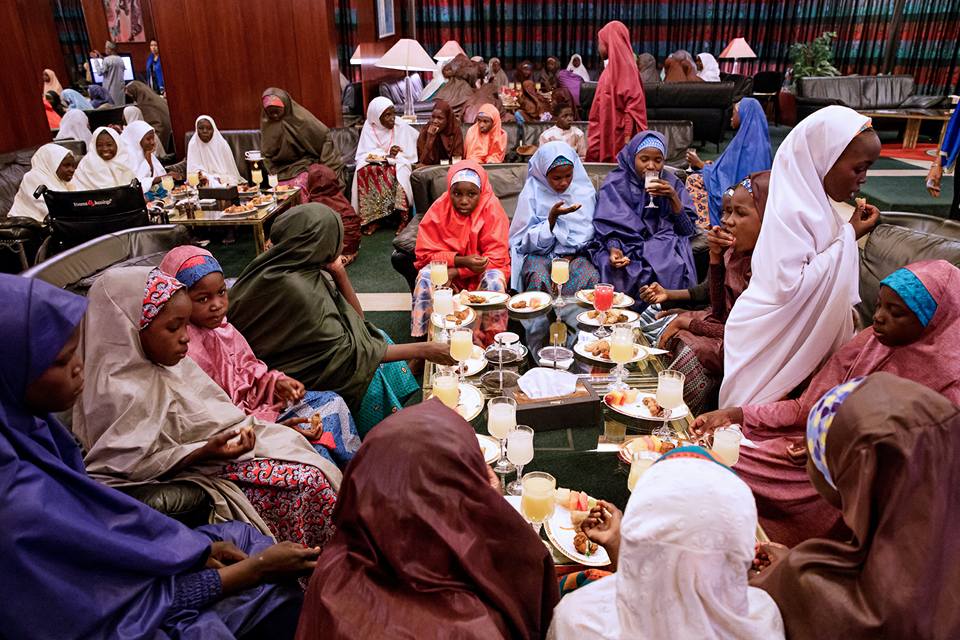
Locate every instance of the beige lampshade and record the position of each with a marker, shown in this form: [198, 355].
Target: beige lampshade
[738, 49]
[450, 50]
[407, 55]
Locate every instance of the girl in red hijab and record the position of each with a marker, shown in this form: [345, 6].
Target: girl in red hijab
[467, 229]
[619, 109]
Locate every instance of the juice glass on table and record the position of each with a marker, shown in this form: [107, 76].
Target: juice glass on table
[193, 179]
[621, 352]
[167, 183]
[501, 420]
[257, 176]
[726, 444]
[639, 463]
[538, 501]
[461, 347]
[560, 274]
[447, 389]
[519, 452]
[273, 180]
[602, 302]
[669, 396]
[438, 273]
[443, 306]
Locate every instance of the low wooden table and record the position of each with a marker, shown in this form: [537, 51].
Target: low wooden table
[914, 118]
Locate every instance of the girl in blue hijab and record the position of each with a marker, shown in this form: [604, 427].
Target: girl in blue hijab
[82, 560]
[554, 218]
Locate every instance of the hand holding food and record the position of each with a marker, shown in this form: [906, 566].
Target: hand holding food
[718, 241]
[706, 423]
[230, 444]
[289, 390]
[766, 555]
[694, 160]
[653, 293]
[864, 218]
[477, 264]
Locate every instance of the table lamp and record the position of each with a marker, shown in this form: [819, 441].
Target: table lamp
[450, 50]
[356, 58]
[407, 55]
[737, 50]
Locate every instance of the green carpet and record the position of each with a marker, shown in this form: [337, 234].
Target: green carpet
[908, 194]
[372, 271]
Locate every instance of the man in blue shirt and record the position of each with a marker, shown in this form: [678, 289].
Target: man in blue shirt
[154, 70]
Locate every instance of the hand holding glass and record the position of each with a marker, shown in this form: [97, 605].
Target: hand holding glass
[519, 452]
[461, 347]
[649, 178]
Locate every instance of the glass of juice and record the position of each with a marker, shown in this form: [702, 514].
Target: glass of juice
[669, 392]
[446, 388]
[602, 302]
[538, 501]
[256, 175]
[273, 180]
[193, 179]
[461, 347]
[560, 274]
[443, 306]
[649, 178]
[726, 444]
[438, 273]
[639, 463]
[519, 452]
[501, 420]
[621, 352]
[167, 183]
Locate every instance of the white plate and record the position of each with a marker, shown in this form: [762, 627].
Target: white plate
[543, 297]
[471, 402]
[560, 532]
[443, 323]
[639, 410]
[620, 299]
[584, 319]
[239, 213]
[285, 189]
[491, 298]
[489, 447]
[264, 204]
[581, 349]
[476, 364]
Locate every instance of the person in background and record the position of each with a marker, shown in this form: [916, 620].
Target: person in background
[486, 140]
[106, 164]
[708, 69]
[56, 103]
[619, 108]
[141, 144]
[53, 118]
[680, 67]
[576, 66]
[647, 66]
[52, 166]
[523, 72]
[132, 113]
[73, 99]
[885, 451]
[564, 131]
[111, 68]
[323, 188]
[75, 125]
[946, 160]
[496, 74]
[155, 111]
[548, 78]
[442, 137]
[459, 89]
[98, 96]
[533, 106]
[51, 83]
[155, 70]
[209, 152]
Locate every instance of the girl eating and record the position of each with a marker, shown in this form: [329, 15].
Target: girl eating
[486, 140]
[106, 164]
[442, 138]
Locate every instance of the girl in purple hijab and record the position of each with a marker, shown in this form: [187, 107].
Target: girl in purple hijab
[635, 244]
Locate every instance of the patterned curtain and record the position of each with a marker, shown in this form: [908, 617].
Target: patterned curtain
[346, 17]
[72, 32]
[928, 45]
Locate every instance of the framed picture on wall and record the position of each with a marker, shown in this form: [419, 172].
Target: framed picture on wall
[386, 26]
[125, 20]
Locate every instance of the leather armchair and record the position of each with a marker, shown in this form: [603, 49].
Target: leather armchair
[679, 134]
[706, 104]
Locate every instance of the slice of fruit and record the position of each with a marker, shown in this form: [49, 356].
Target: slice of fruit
[563, 497]
[583, 503]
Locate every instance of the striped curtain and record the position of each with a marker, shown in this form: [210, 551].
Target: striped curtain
[74, 43]
[514, 30]
[346, 17]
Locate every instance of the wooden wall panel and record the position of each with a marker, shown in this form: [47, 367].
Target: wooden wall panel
[372, 48]
[96, 18]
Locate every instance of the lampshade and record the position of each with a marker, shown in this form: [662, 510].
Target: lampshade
[738, 49]
[449, 51]
[356, 58]
[407, 55]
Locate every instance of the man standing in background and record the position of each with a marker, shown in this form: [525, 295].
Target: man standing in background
[155, 70]
[112, 70]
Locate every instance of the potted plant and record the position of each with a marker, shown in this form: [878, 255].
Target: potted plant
[814, 58]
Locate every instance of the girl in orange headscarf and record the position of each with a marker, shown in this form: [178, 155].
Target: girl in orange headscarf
[486, 140]
[619, 109]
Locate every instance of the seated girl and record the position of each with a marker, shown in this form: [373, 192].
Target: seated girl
[467, 229]
[486, 140]
[564, 130]
[224, 355]
[884, 450]
[635, 244]
[385, 157]
[479, 572]
[141, 143]
[52, 166]
[209, 152]
[916, 324]
[554, 218]
[532, 104]
[149, 413]
[114, 566]
[683, 550]
[442, 138]
[296, 306]
[75, 125]
[106, 164]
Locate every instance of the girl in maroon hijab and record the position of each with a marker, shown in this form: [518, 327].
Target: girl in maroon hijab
[424, 547]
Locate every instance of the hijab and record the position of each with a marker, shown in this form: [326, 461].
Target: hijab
[74, 126]
[376, 138]
[154, 109]
[53, 118]
[499, 78]
[487, 147]
[323, 187]
[548, 79]
[43, 171]
[747, 153]
[687, 542]
[711, 68]
[519, 75]
[647, 65]
[107, 560]
[530, 231]
[680, 67]
[532, 104]
[796, 310]
[579, 70]
[51, 83]
[132, 113]
[294, 316]
[214, 158]
[145, 169]
[94, 172]
[296, 141]
[474, 568]
[570, 84]
[98, 96]
[73, 99]
[891, 449]
[445, 144]
[619, 106]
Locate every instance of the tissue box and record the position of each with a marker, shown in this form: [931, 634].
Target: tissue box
[582, 410]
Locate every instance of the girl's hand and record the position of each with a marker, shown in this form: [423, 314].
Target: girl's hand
[653, 293]
[617, 259]
[934, 176]
[289, 390]
[220, 447]
[694, 160]
[718, 240]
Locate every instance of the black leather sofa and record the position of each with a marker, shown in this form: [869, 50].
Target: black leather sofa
[863, 93]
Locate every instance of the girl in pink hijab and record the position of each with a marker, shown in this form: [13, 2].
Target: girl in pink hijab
[224, 355]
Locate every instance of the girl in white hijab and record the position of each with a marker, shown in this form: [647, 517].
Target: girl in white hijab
[53, 166]
[709, 68]
[578, 68]
[213, 157]
[385, 136]
[106, 164]
[797, 309]
[132, 113]
[74, 126]
[141, 153]
[686, 544]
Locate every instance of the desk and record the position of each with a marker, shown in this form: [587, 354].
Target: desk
[914, 118]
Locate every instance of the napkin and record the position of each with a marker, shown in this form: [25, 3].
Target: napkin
[541, 382]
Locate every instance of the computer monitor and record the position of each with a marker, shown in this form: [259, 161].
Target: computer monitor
[96, 68]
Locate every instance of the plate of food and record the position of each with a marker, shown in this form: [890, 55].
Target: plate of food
[599, 351]
[489, 447]
[613, 316]
[620, 299]
[647, 443]
[376, 158]
[239, 210]
[284, 188]
[461, 317]
[248, 189]
[529, 302]
[262, 201]
[483, 298]
[563, 529]
[640, 404]
[471, 403]
[476, 363]
[181, 191]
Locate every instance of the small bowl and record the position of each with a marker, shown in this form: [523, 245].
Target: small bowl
[555, 357]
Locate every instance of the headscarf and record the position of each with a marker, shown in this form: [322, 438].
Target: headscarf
[950, 147]
[619, 106]
[487, 147]
[43, 170]
[53, 118]
[680, 67]
[446, 144]
[324, 188]
[108, 561]
[581, 70]
[73, 99]
[821, 419]
[293, 315]
[532, 104]
[548, 79]
[94, 172]
[747, 153]
[519, 75]
[139, 420]
[569, 83]
[52, 83]
[296, 141]
[223, 353]
[74, 126]
[145, 169]
[499, 78]
[647, 66]
[562, 97]
[796, 311]
[132, 113]
[892, 450]
[711, 68]
[214, 158]
[154, 109]
[530, 229]
[98, 96]
[444, 233]
[376, 138]
[686, 544]
[474, 571]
